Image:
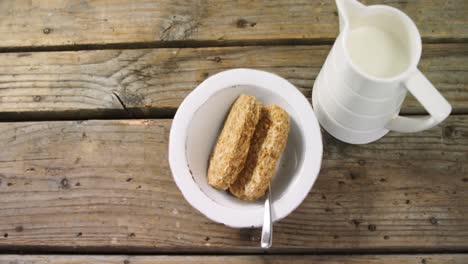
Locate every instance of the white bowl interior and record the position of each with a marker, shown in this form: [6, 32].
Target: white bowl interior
[205, 126]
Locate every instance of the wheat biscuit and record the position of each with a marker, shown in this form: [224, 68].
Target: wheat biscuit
[268, 142]
[230, 152]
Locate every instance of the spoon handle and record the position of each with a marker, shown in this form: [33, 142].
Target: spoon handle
[267, 230]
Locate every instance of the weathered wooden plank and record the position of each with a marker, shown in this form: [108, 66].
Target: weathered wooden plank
[106, 186]
[44, 23]
[364, 259]
[152, 81]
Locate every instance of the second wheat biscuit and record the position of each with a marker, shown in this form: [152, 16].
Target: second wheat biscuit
[268, 143]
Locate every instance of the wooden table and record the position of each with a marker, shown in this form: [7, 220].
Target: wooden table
[87, 93]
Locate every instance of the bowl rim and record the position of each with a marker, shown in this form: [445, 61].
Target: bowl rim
[308, 123]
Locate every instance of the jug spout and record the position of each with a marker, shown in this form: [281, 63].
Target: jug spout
[347, 10]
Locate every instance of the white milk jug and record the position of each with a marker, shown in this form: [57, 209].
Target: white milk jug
[359, 91]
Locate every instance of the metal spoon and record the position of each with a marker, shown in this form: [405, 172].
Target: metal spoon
[267, 230]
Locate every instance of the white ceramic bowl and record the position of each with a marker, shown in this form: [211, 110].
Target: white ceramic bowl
[196, 127]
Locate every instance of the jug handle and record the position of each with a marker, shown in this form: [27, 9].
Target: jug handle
[434, 103]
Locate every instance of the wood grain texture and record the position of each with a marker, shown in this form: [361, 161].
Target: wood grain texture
[45, 23]
[105, 186]
[148, 82]
[299, 259]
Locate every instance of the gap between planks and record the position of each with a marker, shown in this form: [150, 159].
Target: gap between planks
[223, 251]
[116, 114]
[184, 44]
